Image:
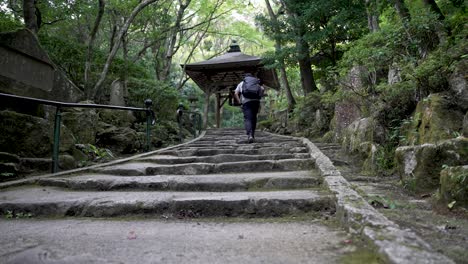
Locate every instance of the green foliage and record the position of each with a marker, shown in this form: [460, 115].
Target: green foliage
[6, 174]
[232, 117]
[8, 22]
[97, 154]
[165, 97]
[18, 215]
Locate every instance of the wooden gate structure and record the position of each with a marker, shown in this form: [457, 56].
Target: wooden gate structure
[220, 76]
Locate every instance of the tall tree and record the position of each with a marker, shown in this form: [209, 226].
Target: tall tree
[282, 67]
[116, 45]
[372, 15]
[32, 16]
[293, 9]
[90, 44]
[434, 8]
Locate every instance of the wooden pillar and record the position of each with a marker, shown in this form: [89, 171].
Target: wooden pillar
[207, 108]
[218, 110]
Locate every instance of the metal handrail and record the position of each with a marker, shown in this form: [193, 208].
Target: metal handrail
[150, 118]
[197, 121]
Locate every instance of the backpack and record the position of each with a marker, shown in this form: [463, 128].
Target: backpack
[251, 88]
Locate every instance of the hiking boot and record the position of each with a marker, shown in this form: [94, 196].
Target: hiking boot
[250, 139]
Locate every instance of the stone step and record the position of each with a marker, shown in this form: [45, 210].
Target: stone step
[146, 168]
[51, 201]
[222, 144]
[217, 151]
[211, 183]
[167, 159]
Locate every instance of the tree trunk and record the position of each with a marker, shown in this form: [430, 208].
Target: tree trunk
[30, 17]
[89, 51]
[434, 8]
[302, 52]
[283, 76]
[305, 66]
[402, 11]
[173, 39]
[372, 16]
[115, 48]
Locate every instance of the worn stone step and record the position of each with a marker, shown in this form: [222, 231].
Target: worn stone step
[212, 182]
[217, 151]
[146, 168]
[167, 159]
[239, 145]
[50, 201]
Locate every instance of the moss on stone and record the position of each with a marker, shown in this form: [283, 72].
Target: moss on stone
[454, 185]
[434, 119]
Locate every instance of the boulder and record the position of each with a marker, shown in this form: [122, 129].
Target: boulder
[117, 118]
[435, 119]
[67, 162]
[360, 131]
[457, 85]
[9, 158]
[346, 112]
[27, 70]
[454, 185]
[32, 136]
[36, 165]
[82, 123]
[419, 166]
[119, 139]
[24, 135]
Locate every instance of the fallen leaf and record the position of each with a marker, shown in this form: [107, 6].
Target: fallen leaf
[131, 235]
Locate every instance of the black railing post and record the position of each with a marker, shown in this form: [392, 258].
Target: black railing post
[56, 146]
[180, 112]
[149, 116]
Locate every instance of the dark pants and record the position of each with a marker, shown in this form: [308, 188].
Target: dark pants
[250, 110]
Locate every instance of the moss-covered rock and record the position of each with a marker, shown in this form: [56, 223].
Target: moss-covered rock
[454, 185]
[117, 118]
[434, 119]
[419, 166]
[118, 139]
[360, 131]
[82, 123]
[30, 136]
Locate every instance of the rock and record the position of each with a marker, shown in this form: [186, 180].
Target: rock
[26, 70]
[35, 165]
[8, 169]
[24, 135]
[117, 118]
[457, 84]
[454, 185]
[118, 93]
[419, 166]
[435, 119]
[346, 112]
[360, 131]
[394, 74]
[82, 123]
[118, 139]
[9, 158]
[67, 162]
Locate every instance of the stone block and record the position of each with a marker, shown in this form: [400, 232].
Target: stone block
[454, 185]
[419, 166]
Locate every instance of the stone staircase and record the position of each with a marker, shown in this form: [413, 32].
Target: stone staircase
[218, 175]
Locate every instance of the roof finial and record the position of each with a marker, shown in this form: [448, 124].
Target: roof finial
[234, 47]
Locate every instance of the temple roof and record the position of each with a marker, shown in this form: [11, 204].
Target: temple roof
[219, 74]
